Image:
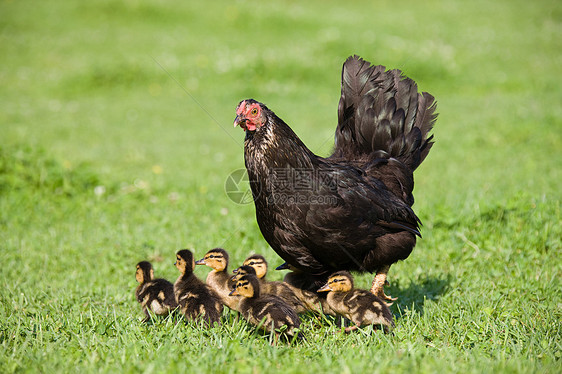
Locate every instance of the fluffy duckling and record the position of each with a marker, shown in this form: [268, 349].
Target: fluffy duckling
[258, 267]
[360, 306]
[195, 298]
[219, 279]
[155, 295]
[259, 263]
[268, 312]
[242, 270]
[300, 300]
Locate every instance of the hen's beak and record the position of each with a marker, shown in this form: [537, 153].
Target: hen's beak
[200, 262]
[240, 121]
[325, 288]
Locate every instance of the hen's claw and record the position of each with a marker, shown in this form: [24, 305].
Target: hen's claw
[389, 300]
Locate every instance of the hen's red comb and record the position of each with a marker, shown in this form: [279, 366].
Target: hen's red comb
[241, 108]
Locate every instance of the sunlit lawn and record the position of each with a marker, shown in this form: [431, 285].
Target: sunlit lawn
[116, 140]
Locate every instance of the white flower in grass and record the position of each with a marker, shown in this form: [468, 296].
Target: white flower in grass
[99, 191]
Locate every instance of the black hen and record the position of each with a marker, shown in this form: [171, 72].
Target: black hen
[352, 210]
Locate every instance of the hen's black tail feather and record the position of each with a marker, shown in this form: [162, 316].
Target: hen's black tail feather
[382, 115]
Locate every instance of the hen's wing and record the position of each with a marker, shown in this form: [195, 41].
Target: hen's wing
[339, 220]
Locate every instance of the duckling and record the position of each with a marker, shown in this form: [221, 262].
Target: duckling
[218, 278]
[194, 297]
[360, 306]
[299, 299]
[241, 271]
[155, 295]
[257, 265]
[268, 312]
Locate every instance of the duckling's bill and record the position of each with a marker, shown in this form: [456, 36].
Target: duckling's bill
[325, 288]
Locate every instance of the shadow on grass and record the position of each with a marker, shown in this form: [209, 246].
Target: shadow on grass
[414, 296]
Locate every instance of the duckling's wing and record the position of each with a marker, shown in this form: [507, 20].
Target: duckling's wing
[286, 310]
[167, 296]
[152, 289]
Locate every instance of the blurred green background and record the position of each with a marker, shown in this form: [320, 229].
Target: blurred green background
[116, 140]
[126, 85]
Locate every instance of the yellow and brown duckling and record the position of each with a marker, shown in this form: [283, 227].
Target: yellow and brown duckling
[195, 299]
[219, 279]
[155, 295]
[359, 306]
[257, 265]
[300, 300]
[305, 286]
[269, 312]
[244, 270]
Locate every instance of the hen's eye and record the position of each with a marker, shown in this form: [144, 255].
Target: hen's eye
[254, 111]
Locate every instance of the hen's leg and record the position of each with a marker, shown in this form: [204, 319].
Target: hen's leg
[378, 285]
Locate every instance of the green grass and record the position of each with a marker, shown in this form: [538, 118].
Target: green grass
[135, 100]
